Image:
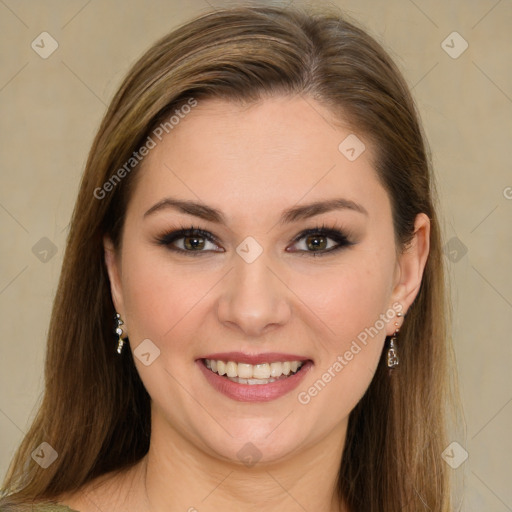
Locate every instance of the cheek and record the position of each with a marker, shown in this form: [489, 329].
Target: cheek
[350, 297]
[351, 350]
[159, 296]
[353, 302]
[165, 304]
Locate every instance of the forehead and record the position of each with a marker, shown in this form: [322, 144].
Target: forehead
[258, 158]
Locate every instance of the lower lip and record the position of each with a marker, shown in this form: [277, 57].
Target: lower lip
[254, 392]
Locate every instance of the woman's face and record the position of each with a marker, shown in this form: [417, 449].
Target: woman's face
[251, 287]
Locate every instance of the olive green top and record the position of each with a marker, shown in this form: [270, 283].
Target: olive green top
[40, 507]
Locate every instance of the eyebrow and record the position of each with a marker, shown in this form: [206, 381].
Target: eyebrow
[288, 216]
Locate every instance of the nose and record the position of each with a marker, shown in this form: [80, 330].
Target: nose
[254, 300]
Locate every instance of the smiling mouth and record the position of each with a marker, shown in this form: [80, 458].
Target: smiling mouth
[253, 374]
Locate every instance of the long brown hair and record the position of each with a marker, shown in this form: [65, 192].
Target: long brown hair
[396, 434]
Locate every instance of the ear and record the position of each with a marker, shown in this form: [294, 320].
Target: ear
[411, 264]
[112, 262]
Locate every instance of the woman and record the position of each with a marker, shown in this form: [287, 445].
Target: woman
[257, 217]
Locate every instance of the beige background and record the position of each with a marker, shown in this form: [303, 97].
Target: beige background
[51, 109]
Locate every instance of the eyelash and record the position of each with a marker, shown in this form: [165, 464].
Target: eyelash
[332, 233]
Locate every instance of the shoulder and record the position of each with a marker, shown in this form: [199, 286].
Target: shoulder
[105, 492]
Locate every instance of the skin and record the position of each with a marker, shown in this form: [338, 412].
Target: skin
[252, 162]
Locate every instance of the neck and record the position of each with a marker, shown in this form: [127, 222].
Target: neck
[189, 479]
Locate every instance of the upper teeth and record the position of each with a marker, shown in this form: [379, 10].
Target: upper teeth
[253, 371]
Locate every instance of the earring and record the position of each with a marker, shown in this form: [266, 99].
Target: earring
[392, 354]
[119, 332]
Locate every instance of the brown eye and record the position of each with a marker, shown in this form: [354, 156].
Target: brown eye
[315, 242]
[320, 241]
[193, 242]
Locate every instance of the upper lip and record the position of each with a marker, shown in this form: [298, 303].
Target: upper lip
[241, 357]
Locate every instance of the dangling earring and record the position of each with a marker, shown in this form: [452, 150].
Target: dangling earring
[119, 332]
[392, 354]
